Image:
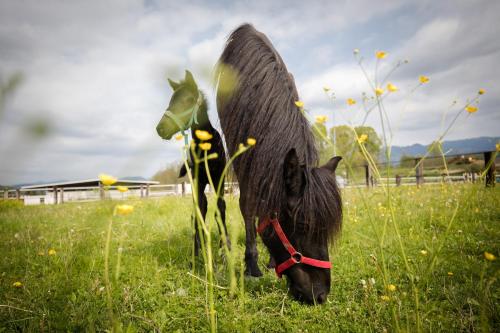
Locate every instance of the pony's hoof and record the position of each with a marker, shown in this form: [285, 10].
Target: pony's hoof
[256, 272]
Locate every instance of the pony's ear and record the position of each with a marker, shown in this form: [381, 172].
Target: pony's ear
[332, 164]
[294, 174]
[189, 79]
[173, 84]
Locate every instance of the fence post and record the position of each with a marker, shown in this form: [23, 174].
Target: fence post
[398, 180]
[101, 191]
[18, 194]
[55, 195]
[489, 163]
[147, 190]
[419, 172]
[183, 188]
[62, 194]
[367, 175]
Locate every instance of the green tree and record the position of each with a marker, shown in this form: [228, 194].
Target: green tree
[169, 174]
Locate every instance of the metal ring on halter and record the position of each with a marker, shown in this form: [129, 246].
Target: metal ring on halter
[297, 257]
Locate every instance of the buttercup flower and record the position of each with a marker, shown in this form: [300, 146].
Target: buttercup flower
[299, 104]
[17, 284]
[379, 91]
[391, 87]
[52, 252]
[489, 256]
[321, 119]
[391, 287]
[423, 252]
[471, 109]
[205, 146]
[351, 101]
[380, 54]
[122, 189]
[203, 135]
[326, 88]
[107, 179]
[124, 209]
[423, 79]
[385, 298]
[497, 146]
[179, 137]
[481, 91]
[251, 141]
[450, 273]
[362, 138]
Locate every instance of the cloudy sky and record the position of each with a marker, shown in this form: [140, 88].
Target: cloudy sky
[94, 72]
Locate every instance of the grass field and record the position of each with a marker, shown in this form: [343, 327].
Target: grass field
[446, 284]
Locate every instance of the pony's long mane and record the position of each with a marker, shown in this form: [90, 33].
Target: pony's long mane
[262, 106]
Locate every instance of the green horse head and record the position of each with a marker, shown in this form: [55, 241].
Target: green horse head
[184, 108]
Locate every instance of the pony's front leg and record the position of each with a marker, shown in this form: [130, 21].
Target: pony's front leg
[202, 202]
[251, 254]
[221, 205]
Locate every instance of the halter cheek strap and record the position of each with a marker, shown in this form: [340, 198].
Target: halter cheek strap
[295, 256]
[193, 111]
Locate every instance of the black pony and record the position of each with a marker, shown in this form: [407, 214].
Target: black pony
[279, 176]
[188, 109]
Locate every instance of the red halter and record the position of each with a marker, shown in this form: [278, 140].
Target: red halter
[295, 257]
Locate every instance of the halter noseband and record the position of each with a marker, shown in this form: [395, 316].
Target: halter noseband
[193, 111]
[295, 256]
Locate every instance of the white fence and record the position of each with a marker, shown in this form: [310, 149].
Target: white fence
[48, 196]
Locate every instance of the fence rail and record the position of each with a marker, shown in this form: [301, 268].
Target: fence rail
[56, 195]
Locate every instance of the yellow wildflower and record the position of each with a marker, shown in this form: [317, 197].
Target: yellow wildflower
[379, 91]
[122, 189]
[205, 146]
[423, 252]
[251, 141]
[321, 119]
[450, 273]
[380, 54]
[351, 101]
[362, 138]
[481, 91]
[241, 148]
[203, 135]
[326, 88]
[385, 298]
[355, 51]
[423, 79]
[471, 109]
[391, 87]
[107, 179]
[299, 104]
[489, 256]
[124, 209]
[179, 137]
[497, 146]
[391, 287]
[52, 252]
[17, 284]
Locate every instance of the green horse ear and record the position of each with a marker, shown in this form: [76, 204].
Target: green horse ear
[173, 84]
[189, 79]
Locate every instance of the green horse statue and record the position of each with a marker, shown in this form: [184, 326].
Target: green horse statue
[188, 110]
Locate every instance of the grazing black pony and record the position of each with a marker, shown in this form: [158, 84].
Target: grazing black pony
[188, 109]
[279, 177]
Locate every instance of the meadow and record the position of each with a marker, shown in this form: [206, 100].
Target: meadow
[420, 268]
